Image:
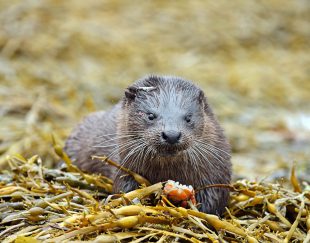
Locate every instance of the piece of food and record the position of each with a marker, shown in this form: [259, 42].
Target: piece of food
[179, 194]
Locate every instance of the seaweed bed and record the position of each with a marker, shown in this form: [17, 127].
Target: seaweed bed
[50, 205]
[60, 60]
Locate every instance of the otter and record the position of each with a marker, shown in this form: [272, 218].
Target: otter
[162, 129]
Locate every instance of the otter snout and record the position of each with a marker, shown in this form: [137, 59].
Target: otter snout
[171, 137]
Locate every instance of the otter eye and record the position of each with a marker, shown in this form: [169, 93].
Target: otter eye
[188, 118]
[151, 116]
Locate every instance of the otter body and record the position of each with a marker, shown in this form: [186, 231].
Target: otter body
[162, 129]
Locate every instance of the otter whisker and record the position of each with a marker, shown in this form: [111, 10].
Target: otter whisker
[149, 152]
[202, 155]
[141, 155]
[211, 154]
[121, 148]
[117, 138]
[118, 149]
[112, 145]
[192, 157]
[134, 148]
[197, 160]
[105, 146]
[117, 134]
[215, 147]
[128, 161]
[211, 151]
[138, 160]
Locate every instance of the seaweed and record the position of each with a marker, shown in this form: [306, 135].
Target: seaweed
[54, 206]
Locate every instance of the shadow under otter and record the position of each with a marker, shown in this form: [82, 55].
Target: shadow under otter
[162, 129]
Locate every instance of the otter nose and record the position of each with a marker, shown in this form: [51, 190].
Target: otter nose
[171, 137]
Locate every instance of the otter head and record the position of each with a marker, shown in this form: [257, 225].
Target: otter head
[161, 116]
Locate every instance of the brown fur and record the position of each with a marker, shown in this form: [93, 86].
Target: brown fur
[200, 158]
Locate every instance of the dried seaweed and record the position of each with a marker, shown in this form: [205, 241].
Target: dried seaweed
[37, 205]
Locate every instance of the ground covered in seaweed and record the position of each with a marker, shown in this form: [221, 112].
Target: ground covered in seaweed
[60, 60]
[39, 204]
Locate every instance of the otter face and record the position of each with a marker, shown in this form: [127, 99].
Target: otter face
[166, 113]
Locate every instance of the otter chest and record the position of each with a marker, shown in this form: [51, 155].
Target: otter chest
[177, 172]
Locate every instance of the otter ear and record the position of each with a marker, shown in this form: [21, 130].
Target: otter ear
[201, 98]
[131, 93]
[203, 101]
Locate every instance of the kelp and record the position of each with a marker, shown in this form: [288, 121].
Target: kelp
[51, 205]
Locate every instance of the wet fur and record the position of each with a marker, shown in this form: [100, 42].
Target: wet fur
[169, 96]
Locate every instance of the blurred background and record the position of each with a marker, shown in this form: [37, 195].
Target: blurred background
[60, 60]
